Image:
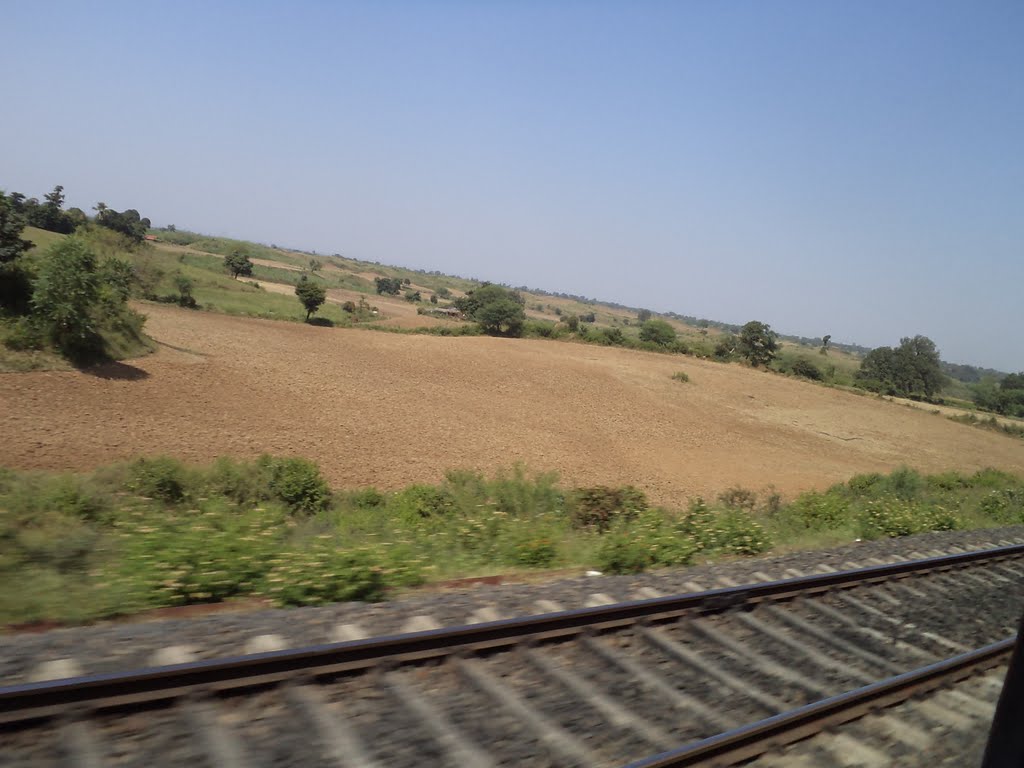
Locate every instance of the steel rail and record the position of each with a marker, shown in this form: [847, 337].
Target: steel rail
[750, 741]
[154, 685]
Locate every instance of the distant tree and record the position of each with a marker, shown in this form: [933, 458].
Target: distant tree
[1005, 397]
[388, 285]
[643, 315]
[498, 311]
[911, 369]
[589, 317]
[658, 332]
[412, 296]
[15, 287]
[51, 215]
[824, 343]
[311, 295]
[433, 298]
[758, 343]
[238, 263]
[171, 228]
[184, 286]
[443, 292]
[572, 322]
[726, 347]
[315, 265]
[128, 223]
[76, 217]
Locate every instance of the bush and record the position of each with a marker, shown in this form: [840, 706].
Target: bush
[805, 369]
[196, 556]
[599, 506]
[622, 554]
[893, 517]
[737, 533]
[324, 574]
[658, 332]
[422, 501]
[161, 478]
[1004, 506]
[738, 497]
[681, 376]
[537, 552]
[818, 511]
[298, 483]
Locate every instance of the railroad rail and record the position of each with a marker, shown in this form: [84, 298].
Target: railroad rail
[622, 641]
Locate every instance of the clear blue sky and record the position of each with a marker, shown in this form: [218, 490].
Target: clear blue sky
[853, 168]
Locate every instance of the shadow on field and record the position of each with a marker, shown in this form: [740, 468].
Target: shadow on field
[115, 371]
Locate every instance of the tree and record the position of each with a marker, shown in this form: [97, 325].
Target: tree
[311, 295]
[499, 311]
[388, 285]
[657, 332]
[643, 315]
[238, 263]
[66, 291]
[913, 368]
[824, 344]
[129, 223]
[15, 287]
[758, 343]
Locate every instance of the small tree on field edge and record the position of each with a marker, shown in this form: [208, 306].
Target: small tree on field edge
[238, 263]
[311, 295]
[758, 343]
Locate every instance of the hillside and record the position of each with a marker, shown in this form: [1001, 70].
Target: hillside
[391, 409]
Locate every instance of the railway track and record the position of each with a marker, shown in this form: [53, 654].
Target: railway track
[604, 685]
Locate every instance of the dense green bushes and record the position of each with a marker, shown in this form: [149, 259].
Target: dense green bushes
[156, 532]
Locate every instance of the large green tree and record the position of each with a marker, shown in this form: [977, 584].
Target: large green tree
[65, 296]
[311, 295]
[912, 368]
[498, 311]
[129, 223]
[758, 343]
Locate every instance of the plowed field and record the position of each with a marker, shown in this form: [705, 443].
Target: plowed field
[387, 410]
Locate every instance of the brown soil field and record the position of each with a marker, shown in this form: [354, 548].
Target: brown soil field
[387, 410]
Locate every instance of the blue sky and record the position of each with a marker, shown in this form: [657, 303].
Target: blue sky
[852, 168]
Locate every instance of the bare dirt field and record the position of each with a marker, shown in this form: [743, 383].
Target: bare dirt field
[387, 410]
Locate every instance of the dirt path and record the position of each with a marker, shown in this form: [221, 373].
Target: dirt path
[387, 410]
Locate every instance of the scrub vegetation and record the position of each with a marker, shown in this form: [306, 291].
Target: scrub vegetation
[155, 532]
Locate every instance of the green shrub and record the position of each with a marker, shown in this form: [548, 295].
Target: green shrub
[948, 481]
[599, 506]
[805, 369]
[866, 485]
[161, 478]
[324, 574]
[193, 556]
[892, 517]
[1004, 506]
[367, 498]
[698, 523]
[243, 483]
[818, 511]
[992, 478]
[621, 553]
[422, 501]
[904, 483]
[737, 533]
[681, 376]
[298, 483]
[536, 552]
